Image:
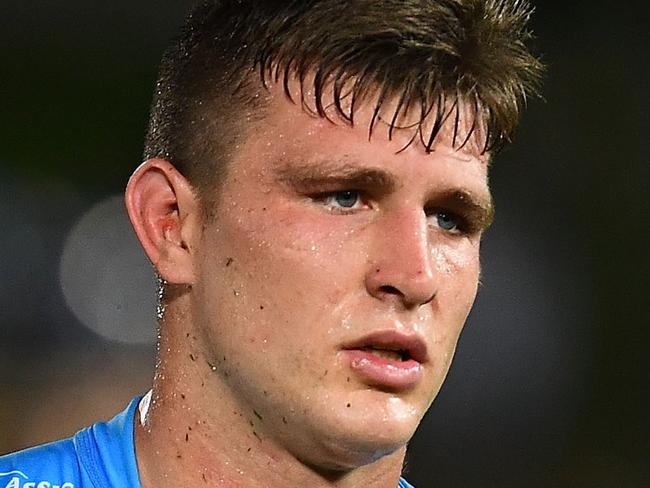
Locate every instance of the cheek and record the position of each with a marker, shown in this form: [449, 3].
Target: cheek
[274, 269]
[456, 259]
[458, 268]
[301, 249]
[459, 260]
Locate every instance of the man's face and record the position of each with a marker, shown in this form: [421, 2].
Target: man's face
[334, 279]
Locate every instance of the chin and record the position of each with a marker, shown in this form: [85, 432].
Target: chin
[364, 442]
[343, 457]
[343, 430]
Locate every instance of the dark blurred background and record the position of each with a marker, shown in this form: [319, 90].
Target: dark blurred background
[550, 386]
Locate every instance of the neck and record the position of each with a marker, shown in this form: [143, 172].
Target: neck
[197, 434]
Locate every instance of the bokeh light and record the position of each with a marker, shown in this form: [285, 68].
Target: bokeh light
[106, 279]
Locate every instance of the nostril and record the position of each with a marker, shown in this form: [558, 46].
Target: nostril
[389, 290]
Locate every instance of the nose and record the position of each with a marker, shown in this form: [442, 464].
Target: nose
[401, 268]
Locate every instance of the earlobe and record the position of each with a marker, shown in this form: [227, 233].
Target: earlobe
[163, 210]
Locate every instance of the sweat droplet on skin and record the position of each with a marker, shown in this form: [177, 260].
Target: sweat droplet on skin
[396, 410]
[346, 323]
[447, 259]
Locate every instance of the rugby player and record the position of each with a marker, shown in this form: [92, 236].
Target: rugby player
[313, 197]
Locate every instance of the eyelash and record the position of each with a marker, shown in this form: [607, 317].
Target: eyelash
[463, 224]
[466, 224]
[323, 198]
[460, 223]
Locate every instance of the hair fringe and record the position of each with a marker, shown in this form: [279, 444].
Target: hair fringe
[463, 61]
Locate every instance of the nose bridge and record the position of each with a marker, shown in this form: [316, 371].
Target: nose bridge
[401, 262]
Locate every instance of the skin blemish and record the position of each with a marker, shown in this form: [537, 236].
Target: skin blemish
[349, 405]
[168, 225]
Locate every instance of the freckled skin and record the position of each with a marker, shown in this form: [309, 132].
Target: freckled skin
[320, 279]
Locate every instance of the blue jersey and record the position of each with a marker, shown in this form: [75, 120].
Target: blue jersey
[100, 456]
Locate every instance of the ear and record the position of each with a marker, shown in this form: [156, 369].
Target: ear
[164, 212]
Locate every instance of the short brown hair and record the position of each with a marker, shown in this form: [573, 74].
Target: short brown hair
[429, 55]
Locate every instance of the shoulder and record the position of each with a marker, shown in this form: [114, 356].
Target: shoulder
[404, 484]
[46, 466]
[100, 455]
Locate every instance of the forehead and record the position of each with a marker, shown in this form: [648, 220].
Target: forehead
[451, 120]
[290, 129]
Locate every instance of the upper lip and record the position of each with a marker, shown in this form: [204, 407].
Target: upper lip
[411, 344]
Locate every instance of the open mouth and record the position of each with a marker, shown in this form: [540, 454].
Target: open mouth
[388, 360]
[391, 346]
[388, 354]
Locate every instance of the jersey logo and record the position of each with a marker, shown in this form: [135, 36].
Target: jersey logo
[15, 481]
[15, 472]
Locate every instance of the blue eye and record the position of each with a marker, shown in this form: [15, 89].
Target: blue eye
[447, 221]
[346, 198]
[341, 201]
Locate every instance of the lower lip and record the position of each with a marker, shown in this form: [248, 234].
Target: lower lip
[382, 372]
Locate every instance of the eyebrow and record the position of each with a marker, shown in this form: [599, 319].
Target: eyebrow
[315, 176]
